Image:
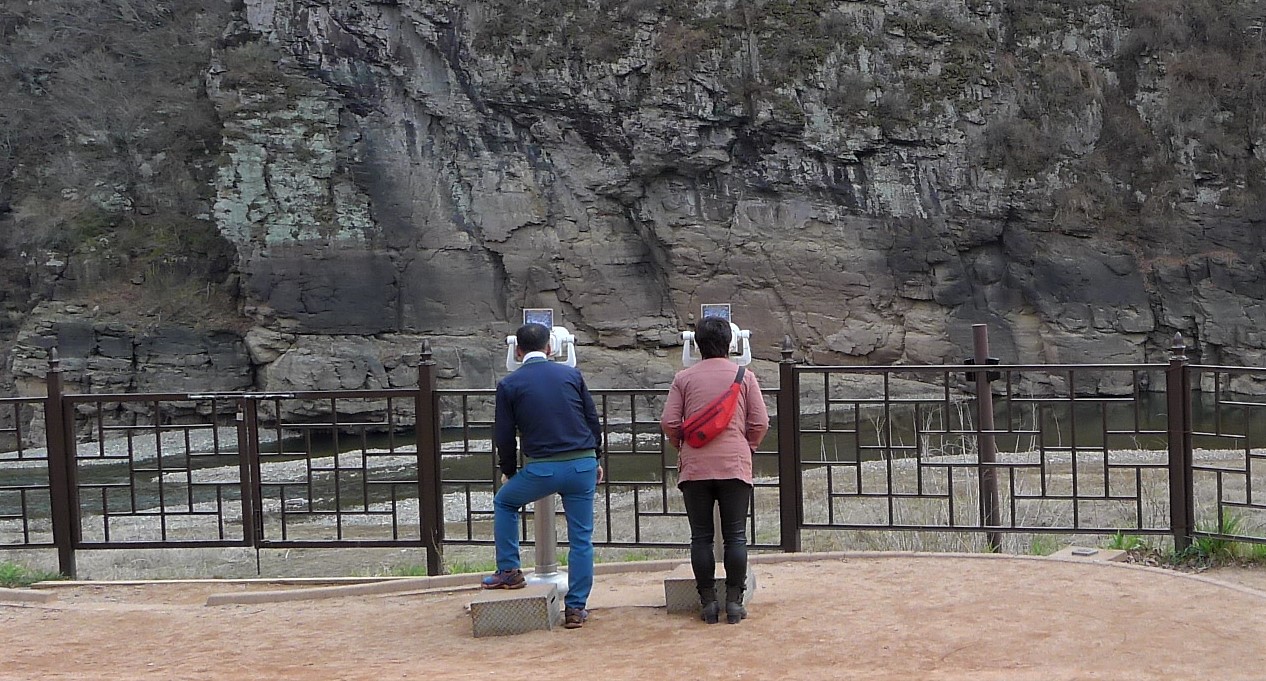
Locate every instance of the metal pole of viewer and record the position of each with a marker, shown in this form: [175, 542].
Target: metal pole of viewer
[547, 569]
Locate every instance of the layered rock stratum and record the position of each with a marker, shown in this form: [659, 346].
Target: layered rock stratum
[869, 178]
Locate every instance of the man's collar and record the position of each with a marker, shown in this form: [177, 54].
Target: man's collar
[535, 354]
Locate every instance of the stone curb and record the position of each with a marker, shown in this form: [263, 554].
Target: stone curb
[333, 587]
[404, 585]
[395, 586]
[25, 596]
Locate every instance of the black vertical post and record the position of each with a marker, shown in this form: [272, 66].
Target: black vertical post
[252, 527]
[251, 433]
[1178, 416]
[987, 446]
[790, 488]
[430, 491]
[61, 489]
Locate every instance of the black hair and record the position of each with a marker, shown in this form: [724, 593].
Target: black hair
[532, 337]
[713, 336]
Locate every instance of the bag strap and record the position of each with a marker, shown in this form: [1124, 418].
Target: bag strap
[738, 380]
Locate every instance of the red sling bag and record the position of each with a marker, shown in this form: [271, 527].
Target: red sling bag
[707, 423]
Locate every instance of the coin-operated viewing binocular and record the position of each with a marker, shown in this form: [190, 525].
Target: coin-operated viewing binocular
[562, 344]
[740, 339]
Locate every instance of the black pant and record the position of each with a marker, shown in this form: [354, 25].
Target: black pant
[733, 496]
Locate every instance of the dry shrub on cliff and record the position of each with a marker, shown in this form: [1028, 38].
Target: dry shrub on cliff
[1017, 146]
[1161, 25]
[254, 64]
[539, 36]
[1093, 204]
[1198, 77]
[849, 94]
[114, 86]
[1027, 18]
[679, 46]
[107, 133]
[1213, 58]
[125, 75]
[894, 111]
[1068, 83]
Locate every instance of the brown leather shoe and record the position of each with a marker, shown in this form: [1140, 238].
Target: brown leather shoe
[574, 618]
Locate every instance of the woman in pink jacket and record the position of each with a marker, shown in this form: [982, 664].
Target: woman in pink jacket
[718, 473]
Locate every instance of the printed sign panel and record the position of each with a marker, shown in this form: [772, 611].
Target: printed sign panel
[539, 315]
[721, 310]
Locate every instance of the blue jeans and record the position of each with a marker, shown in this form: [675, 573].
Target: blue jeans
[576, 481]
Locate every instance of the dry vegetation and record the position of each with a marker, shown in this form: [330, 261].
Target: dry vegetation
[106, 148]
[1204, 58]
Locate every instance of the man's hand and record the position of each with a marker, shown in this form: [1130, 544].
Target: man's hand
[599, 474]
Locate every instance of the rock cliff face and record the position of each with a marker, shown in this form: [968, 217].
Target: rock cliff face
[868, 177]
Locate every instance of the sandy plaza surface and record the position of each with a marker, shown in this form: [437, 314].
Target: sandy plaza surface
[857, 616]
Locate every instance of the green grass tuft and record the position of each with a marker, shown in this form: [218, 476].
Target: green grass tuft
[1126, 542]
[1044, 545]
[13, 575]
[1218, 549]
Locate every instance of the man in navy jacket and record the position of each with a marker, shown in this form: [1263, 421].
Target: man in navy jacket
[547, 405]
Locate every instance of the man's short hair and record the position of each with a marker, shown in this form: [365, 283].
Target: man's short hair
[532, 337]
[713, 336]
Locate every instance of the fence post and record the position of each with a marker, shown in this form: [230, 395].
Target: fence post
[430, 493]
[61, 491]
[1178, 417]
[248, 466]
[987, 445]
[790, 488]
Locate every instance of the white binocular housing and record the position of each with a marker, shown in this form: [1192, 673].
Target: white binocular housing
[740, 347]
[562, 345]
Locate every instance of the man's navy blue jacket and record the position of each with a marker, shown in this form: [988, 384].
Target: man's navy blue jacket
[550, 407]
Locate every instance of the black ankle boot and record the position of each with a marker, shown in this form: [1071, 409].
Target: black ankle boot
[711, 612]
[734, 610]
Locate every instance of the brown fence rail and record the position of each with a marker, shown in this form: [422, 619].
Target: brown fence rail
[154, 471]
[908, 449]
[1227, 493]
[334, 468]
[983, 449]
[25, 492]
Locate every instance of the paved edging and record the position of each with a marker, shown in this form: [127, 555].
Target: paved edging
[340, 587]
[293, 581]
[25, 596]
[471, 581]
[414, 584]
[407, 585]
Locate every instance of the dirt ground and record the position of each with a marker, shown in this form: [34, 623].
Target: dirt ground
[858, 617]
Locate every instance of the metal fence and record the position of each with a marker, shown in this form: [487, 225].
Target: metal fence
[1225, 453]
[917, 456]
[637, 504]
[25, 494]
[1145, 449]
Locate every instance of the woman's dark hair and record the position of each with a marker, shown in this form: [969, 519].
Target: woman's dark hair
[713, 336]
[532, 337]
